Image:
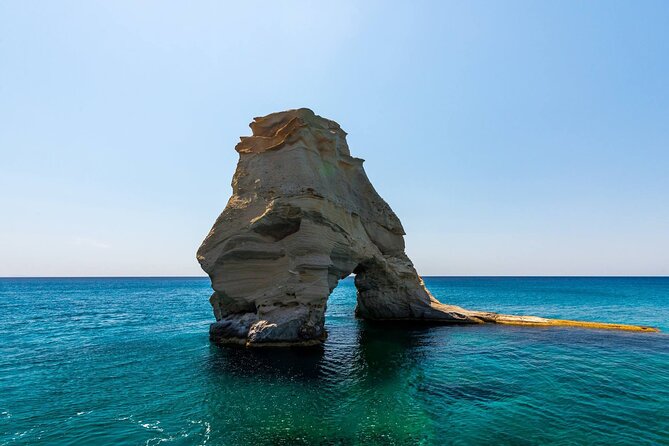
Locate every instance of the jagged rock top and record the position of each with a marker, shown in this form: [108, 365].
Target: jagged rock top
[276, 130]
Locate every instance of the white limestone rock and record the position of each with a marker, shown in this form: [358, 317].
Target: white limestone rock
[302, 216]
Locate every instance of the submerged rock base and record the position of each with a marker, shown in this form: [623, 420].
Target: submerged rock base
[302, 216]
[220, 331]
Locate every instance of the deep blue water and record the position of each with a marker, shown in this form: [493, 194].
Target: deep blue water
[128, 361]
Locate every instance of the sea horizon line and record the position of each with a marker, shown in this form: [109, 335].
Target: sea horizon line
[483, 276]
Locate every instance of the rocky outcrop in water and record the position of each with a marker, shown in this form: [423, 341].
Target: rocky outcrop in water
[302, 216]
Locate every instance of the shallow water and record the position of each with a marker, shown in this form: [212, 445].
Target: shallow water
[128, 361]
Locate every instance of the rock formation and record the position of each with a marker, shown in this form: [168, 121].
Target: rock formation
[302, 216]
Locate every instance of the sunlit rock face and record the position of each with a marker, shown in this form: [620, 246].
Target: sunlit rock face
[303, 215]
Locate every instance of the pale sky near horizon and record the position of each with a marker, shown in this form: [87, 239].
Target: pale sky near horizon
[511, 138]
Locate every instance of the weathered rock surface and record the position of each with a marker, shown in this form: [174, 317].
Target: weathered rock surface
[302, 216]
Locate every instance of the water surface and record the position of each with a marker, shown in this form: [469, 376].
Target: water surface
[128, 361]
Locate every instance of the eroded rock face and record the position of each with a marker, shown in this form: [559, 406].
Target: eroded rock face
[302, 216]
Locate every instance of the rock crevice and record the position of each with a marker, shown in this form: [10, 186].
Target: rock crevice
[302, 216]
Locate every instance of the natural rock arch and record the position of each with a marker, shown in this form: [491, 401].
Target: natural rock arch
[302, 216]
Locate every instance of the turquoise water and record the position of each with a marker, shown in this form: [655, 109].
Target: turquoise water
[128, 361]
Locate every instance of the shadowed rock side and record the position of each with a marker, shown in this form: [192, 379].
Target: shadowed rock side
[302, 216]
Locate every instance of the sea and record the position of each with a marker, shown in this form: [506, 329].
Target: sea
[127, 361]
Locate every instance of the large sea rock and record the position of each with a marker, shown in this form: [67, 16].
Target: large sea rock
[302, 216]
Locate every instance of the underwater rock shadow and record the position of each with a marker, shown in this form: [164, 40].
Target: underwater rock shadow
[290, 363]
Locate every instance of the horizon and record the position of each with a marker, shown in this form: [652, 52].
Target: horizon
[348, 277]
[512, 140]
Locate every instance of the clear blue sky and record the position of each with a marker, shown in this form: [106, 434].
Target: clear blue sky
[522, 138]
